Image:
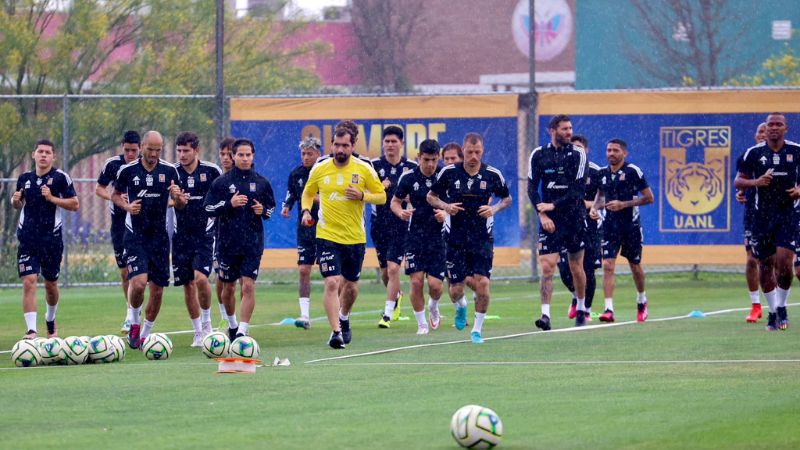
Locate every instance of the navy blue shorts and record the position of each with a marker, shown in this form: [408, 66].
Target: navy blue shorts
[340, 259]
[389, 244]
[429, 256]
[777, 231]
[233, 267]
[628, 244]
[464, 260]
[189, 254]
[43, 256]
[148, 255]
[569, 235]
[306, 250]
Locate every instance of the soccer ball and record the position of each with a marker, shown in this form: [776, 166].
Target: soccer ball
[85, 339]
[119, 347]
[25, 353]
[52, 351]
[474, 426]
[75, 351]
[245, 347]
[157, 346]
[101, 349]
[216, 345]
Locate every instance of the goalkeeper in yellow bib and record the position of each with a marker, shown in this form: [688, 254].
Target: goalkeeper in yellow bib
[344, 185]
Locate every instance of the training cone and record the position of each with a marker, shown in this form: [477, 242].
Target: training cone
[697, 313]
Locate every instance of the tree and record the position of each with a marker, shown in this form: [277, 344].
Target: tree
[782, 69]
[686, 42]
[383, 30]
[166, 47]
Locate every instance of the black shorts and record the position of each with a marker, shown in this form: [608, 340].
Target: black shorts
[118, 242]
[191, 253]
[233, 267]
[748, 229]
[43, 256]
[306, 250]
[569, 235]
[426, 255]
[771, 233]
[467, 259]
[389, 244]
[148, 255]
[340, 259]
[628, 244]
[592, 254]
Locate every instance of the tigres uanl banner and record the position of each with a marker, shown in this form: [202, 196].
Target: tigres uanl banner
[687, 144]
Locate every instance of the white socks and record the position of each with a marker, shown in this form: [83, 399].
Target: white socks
[478, 322]
[342, 316]
[146, 328]
[222, 312]
[783, 296]
[420, 315]
[610, 304]
[232, 321]
[305, 303]
[581, 304]
[198, 327]
[50, 315]
[546, 310]
[641, 297]
[433, 304]
[136, 317]
[30, 320]
[389, 308]
[462, 301]
[772, 300]
[205, 315]
[755, 298]
[129, 316]
[243, 326]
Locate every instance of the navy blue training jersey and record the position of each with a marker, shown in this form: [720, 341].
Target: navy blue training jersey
[108, 176]
[193, 218]
[39, 218]
[561, 171]
[241, 231]
[382, 215]
[591, 188]
[456, 185]
[294, 192]
[783, 164]
[415, 185]
[152, 188]
[623, 185]
[749, 194]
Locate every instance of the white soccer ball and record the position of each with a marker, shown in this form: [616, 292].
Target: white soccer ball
[52, 351]
[101, 349]
[85, 339]
[216, 345]
[245, 347]
[157, 346]
[119, 347]
[25, 353]
[474, 426]
[75, 351]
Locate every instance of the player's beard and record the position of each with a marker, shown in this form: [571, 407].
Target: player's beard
[342, 157]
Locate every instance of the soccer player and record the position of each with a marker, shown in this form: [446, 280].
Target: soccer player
[747, 198]
[469, 187]
[560, 168]
[148, 183]
[306, 245]
[452, 153]
[623, 188]
[387, 231]
[344, 185]
[353, 128]
[226, 164]
[241, 200]
[42, 194]
[772, 168]
[592, 257]
[193, 241]
[425, 249]
[131, 146]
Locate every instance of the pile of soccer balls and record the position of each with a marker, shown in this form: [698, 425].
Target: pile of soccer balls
[218, 345]
[475, 426]
[70, 351]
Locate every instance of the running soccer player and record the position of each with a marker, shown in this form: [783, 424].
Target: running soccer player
[241, 200]
[226, 164]
[387, 231]
[592, 257]
[193, 241]
[353, 128]
[623, 188]
[149, 183]
[772, 168]
[425, 249]
[560, 168]
[344, 184]
[469, 187]
[42, 194]
[747, 198]
[306, 245]
[131, 146]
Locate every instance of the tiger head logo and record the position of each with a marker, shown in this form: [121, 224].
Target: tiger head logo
[695, 188]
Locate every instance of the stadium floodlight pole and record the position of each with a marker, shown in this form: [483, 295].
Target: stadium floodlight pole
[220, 88]
[65, 166]
[532, 134]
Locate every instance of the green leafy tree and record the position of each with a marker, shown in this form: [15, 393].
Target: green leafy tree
[782, 69]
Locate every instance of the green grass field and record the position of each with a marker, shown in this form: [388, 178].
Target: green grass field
[713, 382]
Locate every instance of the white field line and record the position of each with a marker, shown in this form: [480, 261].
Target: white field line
[528, 333]
[567, 363]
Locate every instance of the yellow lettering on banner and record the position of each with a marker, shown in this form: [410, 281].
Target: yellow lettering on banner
[327, 133]
[375, 141]
[434, 129]
[416, 133]
[693, 222]
[313, 130]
